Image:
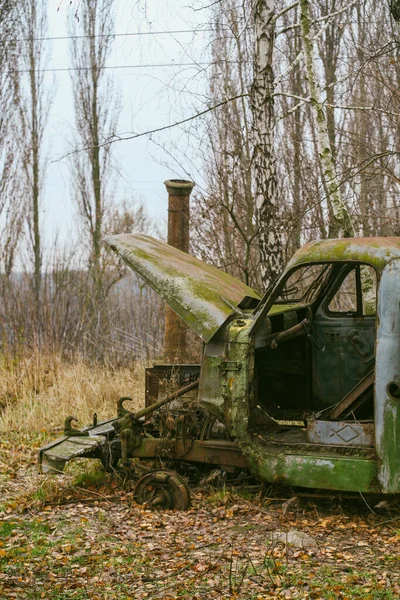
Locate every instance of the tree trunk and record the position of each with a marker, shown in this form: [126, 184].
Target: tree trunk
[331, 183]
[33, 102]
[96, 113]
[264, 153]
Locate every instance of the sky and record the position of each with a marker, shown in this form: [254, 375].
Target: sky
[151, 97]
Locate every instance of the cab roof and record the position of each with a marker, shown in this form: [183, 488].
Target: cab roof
[376, 251]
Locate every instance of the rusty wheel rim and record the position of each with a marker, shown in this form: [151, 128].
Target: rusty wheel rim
[162, 489]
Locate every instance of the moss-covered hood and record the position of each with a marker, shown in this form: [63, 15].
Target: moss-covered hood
[203, 296]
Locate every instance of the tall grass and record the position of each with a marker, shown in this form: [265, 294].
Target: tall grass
[37, 392]
[118, 321]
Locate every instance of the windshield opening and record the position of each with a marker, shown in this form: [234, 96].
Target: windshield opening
[304, 284]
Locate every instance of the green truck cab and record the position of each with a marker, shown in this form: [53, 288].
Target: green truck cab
[301, 387]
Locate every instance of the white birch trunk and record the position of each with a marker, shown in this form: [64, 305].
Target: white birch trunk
[331, 183]
[339, 209]
[264, 153]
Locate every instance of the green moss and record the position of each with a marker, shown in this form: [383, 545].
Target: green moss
[195, 290]
[374, 252]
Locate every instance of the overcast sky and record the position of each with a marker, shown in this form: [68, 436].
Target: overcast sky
[151, 97]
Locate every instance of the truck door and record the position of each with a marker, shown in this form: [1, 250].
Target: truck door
[387, 380]
[344, 334]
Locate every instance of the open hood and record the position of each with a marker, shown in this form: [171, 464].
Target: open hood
[203, 296]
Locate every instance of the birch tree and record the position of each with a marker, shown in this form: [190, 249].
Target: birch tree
[264, 160]
[10, 209]
[326, 153]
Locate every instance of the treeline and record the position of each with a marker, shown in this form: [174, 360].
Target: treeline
[74, 302]
[303, 145]
[325, 85]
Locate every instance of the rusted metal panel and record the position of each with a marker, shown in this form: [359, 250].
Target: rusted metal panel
[160, 375]
[211, 390]
[236, 372]
[351, 397]
[178, 212]
[342, 433]
[203, 296]
[324, 472]
[52, 458]
[213, 452]
[387, 405]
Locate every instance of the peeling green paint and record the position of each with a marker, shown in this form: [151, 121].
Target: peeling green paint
[227, 375]
[203, 296]
[323, 470]
[207, 300]
[387, 409]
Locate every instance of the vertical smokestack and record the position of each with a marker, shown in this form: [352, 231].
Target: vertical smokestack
[178, 236]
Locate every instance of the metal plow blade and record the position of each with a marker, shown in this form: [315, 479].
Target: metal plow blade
[52, 458]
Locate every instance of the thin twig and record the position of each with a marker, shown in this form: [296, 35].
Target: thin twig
[84, 500]
[389, 521]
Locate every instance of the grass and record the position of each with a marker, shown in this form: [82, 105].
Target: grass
[40, 392]
[82, 479]
[334, 583]
[89, 473]
[98, 550]
[101, 553]
[37, 393]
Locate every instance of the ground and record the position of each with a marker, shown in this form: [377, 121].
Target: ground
[82, 536]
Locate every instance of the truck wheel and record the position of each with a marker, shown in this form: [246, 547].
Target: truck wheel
[163, 489]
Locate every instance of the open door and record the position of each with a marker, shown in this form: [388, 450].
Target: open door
[387, 382]
[345, 324]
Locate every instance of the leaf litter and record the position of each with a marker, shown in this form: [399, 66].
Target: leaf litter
[96, 543]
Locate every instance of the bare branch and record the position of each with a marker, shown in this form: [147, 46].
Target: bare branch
[315, 21]
[123, 137]
[285, 10]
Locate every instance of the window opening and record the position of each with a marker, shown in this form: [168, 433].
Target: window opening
[357, 293]
[304, 284]
[345, 299]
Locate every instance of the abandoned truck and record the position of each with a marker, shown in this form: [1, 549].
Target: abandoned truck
[300, 387]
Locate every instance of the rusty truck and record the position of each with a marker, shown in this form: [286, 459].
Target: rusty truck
[300, 387]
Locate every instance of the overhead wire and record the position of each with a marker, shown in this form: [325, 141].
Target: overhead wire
[114, 35]
[137, 66]
[141, 66]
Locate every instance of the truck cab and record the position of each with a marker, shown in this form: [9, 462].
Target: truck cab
[323, 371]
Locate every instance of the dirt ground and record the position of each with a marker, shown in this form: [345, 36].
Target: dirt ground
[83, 537]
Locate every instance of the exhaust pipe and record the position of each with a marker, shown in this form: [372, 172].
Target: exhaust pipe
[179, 192]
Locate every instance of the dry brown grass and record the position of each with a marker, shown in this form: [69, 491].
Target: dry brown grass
[38, 392]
